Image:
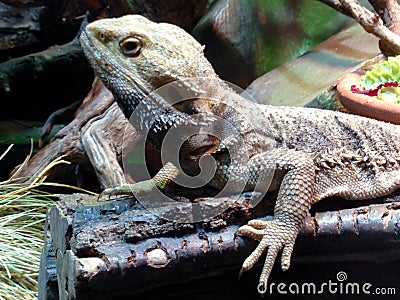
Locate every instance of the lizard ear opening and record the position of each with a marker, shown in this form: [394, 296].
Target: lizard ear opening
[131, 46]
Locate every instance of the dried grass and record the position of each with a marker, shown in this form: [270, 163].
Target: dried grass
[23, 208]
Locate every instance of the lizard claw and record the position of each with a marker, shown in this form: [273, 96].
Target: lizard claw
[105, 193]
[274, 236]
[114, 191]
[262, 287]
[240, 273]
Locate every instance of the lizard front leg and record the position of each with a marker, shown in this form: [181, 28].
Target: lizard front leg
[161, 180]
[294, 199]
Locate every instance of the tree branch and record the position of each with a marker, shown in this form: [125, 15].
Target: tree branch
[381, 23]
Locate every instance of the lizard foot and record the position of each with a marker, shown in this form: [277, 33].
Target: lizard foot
[274, 236]
[135, 189]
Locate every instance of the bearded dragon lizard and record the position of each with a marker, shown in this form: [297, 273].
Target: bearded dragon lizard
[312, 154]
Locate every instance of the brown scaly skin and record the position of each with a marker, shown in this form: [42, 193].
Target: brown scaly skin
[312, 154]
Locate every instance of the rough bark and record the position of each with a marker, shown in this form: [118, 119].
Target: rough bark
[117, 249]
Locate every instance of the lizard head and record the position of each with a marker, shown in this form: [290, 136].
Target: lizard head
[144, 53]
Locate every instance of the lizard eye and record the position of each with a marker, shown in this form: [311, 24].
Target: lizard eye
[131, 46]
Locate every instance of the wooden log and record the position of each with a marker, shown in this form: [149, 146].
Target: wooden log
[94, 137]
[118, 249]
[48, 284]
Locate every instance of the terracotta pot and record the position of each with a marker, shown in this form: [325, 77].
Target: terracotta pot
[364, 105]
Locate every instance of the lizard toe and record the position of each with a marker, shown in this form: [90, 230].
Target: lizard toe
[258, 224]
[252, 259]
[268, 264]
[250, 232]
[105, 195]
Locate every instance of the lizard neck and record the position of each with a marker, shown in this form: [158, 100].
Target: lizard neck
[146, 111]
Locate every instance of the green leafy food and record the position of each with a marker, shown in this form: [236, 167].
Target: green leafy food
[387, 71]
[390, 94]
